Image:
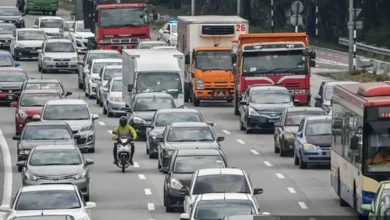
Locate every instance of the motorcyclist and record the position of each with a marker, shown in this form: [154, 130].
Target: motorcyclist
[123, 129]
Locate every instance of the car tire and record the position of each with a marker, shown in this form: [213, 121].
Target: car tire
[302, 165]
[104, 111]
[242, 127]
[92, 150]
[282, 152]
[81, 86]
[110, 114]
[39, 68]
[101, 104]
[165, 197]
[168, 207]
[20, 169]
[158, 165]
[276, 148]
[86, 198]
[296, 160]
[89, 92]
[147, 149]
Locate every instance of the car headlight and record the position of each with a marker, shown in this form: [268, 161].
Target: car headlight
[86, 128]
[173, 39]
[22, 114]
[81, 175]
[20, 19]
[47, 59]
[199, 84]
[24, 152]
[20, 45]
[115, 99]
[74, 59]
[137, 120]
[289, 136]
[31, 176]
[175, 184]
[309, 147]
[252, 112]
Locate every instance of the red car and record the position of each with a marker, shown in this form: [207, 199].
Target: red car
[11, 80]
[31, 103]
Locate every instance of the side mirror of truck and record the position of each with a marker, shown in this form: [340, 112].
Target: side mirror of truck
[155, 16]
[312, 63]
[129, 87]
[312, 55]
[187, 59]
[234, 58]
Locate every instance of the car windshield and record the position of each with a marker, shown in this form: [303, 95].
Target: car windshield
[35, 99]
[6, 61]
[318, 127]
[68, 26]
[213, 60]
[117, 86]
[46, 133]
[11, 11]
[328, 92]
[12, 76]
[295, 118]
[66, 112]
[378, 145]
[118, 17]
[102, 55]
[165, 119]
[224, 183]
[98, 66]
[150, 45]
[159, 82]
[31, 35]
[109, 73]
[64, 47]
[153, 104]
[80, 27]
[190, 134]
[7, 28]
[270, 97]
[36, 86]
[189, 164]
[173, 28]
[217, 210]
[51, 23]
[55, 158]
[47, 200]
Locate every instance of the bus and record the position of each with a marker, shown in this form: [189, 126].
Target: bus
[360, 156]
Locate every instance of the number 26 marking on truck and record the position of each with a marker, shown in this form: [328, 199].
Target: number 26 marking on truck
[240, 27]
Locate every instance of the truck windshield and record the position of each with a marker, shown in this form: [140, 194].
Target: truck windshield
[117, 17]
[378, 144]
[159, 82]
[274, 62]
[213, 60]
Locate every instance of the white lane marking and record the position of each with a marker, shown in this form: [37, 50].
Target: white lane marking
[148, 192]
[255, 152]
[291, 190]
[7, 191]
[226, 131]
[150, 206]
[240, 141]
[268, 164]
[279, 175]
[142, 177]
[265, 213]
[302, 205]
[101, 123]
[136, 164]
[109, 131]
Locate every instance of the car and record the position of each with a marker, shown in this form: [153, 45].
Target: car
[262, 105]
[287, 127]
[148, 44]
[380, 205]
[62, 197]
[263, 217]
[52, 26]
[218, 180]
[6, 32]
[113, 103]
[77, 114]
[11, 80]
[179, 172]
[84, 64]
[142, 108]
[29, 104]
[79, 36]
[168, 33]
[107, 72]
[163, 118]
[35, 216]
[6, 59]
[219, 205]
[11, 14]
[57, 164]
[185, 135]
[26, 42]
[92, 74]
[43, 133]
[57, 54]
[69, 25]
[312, 145]
[43, 84]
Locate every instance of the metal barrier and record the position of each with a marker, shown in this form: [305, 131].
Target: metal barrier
[365, 47]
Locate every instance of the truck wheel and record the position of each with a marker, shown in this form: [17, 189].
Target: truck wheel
[195, 101]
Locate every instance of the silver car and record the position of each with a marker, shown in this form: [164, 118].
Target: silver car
[57, 54]
[53, 164]
[76, 113]
[112, 98]
[6, 31]
[105, 75]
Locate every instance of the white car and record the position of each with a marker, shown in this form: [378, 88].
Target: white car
[26, 42]
[92, 74]
[168, 33]
[219, 205]
[105, 75]
[79, 36]
[67, 27]
[57, 54]
[64, 199]
[148, 44]
[53, 26]
[112, 98]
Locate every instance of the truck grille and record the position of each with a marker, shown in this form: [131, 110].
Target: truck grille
[218, 30]
[55, 177]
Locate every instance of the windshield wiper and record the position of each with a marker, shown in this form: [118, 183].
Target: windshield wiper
[284, 69]
[51, 164]
[42, 139]
[33, 105]
[73, 163]
[77, 119]
[204, 140]
[320, 134]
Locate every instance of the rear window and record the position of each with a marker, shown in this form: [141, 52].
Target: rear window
[165, 119]
[189, 164]
[318, 127]
[295, 118]
[221, 184]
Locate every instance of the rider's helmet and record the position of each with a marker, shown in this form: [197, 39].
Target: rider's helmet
[123, 121]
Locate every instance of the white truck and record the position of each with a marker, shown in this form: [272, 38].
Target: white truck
[153, 70]
[206, 42]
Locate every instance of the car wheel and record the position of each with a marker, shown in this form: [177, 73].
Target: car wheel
[39, 68]
[147, 149]
[296, 159]
[158, 165]
[168, 207]
[165, 197]
[101, 104]
[282, 152]
[276, 148]
[242, 128]
[104, 111]
[20, 169]
[81, 85]
[89, 93]
[92, 150]
[110, 114]
[302, 165]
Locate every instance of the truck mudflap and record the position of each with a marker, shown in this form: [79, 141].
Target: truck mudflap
[91, 43]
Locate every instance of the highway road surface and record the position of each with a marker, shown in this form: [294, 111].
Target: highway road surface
[138, 194]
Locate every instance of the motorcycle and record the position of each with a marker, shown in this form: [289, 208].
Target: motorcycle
[123, 152]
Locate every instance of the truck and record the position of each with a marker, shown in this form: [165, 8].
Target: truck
[45, 6]
[116, 25]
[206, 42]
[283, 59]
[153, 70]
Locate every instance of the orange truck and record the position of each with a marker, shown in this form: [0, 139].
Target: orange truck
[273, 59]
[206, 42]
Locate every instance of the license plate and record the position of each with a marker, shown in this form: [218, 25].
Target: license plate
[221, 94]
[10, 97]
[272, 120]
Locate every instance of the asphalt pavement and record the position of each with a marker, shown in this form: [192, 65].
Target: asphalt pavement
[138, 193]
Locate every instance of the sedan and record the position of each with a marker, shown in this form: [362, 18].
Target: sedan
[27, 42]
[64, 198]
[57, 164]
[11, 14]
[44, 84]
[11, 80]
[105, 75]
[6, 59]
[57, 54]
[79, 35]
[6, 31]
[112, 98]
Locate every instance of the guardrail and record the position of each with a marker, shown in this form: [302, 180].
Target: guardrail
[365, 47]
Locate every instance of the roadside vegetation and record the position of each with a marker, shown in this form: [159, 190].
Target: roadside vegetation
[66, 4]
[358, 76]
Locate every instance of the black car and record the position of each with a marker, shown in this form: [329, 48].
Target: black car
[37, 84]
[287, 127]
[11, 80]
[179, 172]
[6, 31]
[185, 135]
[165, 117]
[262, 105]
[11, 14]
[142, 108]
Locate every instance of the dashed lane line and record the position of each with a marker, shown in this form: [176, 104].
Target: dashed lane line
[136, 164]
[101, 123]
[148, 192]
[226, 131]
[7, 190]
[302, 205]
[255, 152]
[151, 206]
[279, 175]
[266, 213]
[291, 190]
[268, 164]
[240, 141]
[141, 177]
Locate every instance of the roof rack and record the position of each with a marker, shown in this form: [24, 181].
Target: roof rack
[374, 89]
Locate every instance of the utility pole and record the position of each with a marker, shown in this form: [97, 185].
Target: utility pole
[272, 16]
[353, 25]
[192, 7]
[238, 7]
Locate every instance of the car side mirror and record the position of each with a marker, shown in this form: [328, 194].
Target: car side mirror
[90, 205]
[129, 87]
[21, 163]
[219, 139]
[243, 103]
[166, 32]
[14, 104]
[312, 55]
[277, 124]
[16, 138]
[257, 191]
[187, 59]
[68, 93]
[184, 216]
[95, 116]
[89, 162]
[367, 207]
[185, 191]
[76, 136]
[210, 123]
[5, 208]
[312, 63]
[126, 109]
[164, 170]
[354, 145]
[317, 98]
[39, 51]
[35, 26]
[36, 117]
[17, 64]
[299, 134]
[296, 102]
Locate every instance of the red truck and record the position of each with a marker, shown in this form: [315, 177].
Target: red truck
[117, 24]
[274, 59]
